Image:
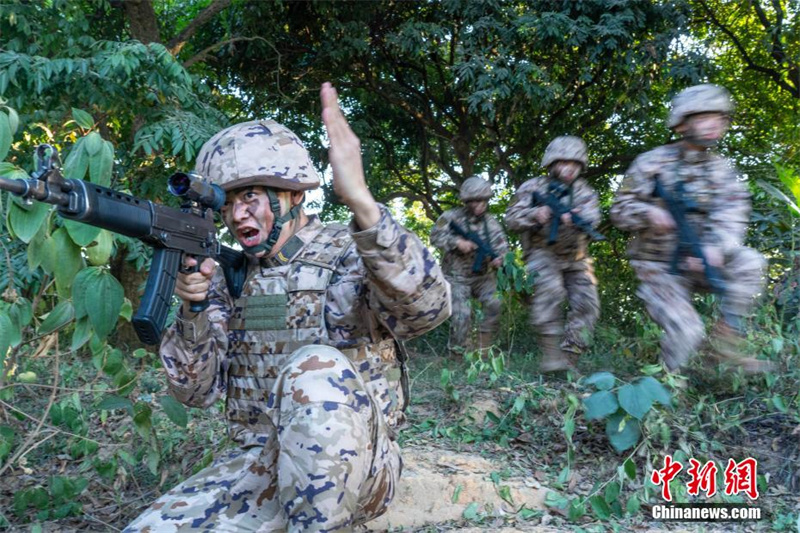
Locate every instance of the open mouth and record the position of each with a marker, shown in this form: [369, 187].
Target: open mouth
[249, 237]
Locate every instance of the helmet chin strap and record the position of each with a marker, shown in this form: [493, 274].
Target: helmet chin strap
[277, 225]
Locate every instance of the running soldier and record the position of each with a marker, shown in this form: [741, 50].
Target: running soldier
[690, 178]
[305, 357]
[473, 246]
[556, 251]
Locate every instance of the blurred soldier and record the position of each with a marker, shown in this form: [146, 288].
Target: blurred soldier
[701, 184]
[473, 246]
[305, 356]
[555, 248]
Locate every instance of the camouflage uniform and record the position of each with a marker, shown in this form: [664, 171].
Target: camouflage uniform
[723, 208]
[562, 271]
[307, 363]
[458, 267]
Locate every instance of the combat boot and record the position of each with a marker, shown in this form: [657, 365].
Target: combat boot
[727, 348]
[553, 357]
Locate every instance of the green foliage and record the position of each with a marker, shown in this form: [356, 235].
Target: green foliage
[625, 406]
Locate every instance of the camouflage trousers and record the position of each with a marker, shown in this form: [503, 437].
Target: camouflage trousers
[330, 464]
[668, 298]
[557, 281]
[484, 289]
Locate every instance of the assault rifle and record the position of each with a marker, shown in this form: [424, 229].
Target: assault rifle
[679, 206]
[171, 232]
[484, 249]
[553, 199]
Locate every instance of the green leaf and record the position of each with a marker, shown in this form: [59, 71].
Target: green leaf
[36, 249]
[612, 492]
[113, 402]
[93, 143]
[175, 410]
[633, 506]
[5, 135]
[600, 404]
[113, 362]
[630, 468]
[6, 334]
[82, 333]
[67, 261]
[77, 162]
[601, 509]
[80, 233]
[601, 380]
[103, 300]
[653, 389]
[577, 508]
[471, 512]
[779, 404]
[127, 310]
[634, 401]
[83, 118]
[100, 165]
[153, 459]
[13, 120]
[99, 253]
[25, 221]
[622, 432]
[7, 435]
[61, 315]
[142, 419]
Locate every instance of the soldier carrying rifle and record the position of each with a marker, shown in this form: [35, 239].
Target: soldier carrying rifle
[473, 245]
[556, 216]
[688, 212]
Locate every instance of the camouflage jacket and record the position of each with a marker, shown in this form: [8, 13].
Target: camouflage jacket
[571, 243]
[386, 284]
[722, 200]
[455, 263]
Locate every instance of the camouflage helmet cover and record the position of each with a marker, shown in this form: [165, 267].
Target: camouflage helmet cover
[565, 148]
[260, 152]
[475, 188]
[705, 98]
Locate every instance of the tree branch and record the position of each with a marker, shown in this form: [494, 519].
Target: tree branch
[176, 44]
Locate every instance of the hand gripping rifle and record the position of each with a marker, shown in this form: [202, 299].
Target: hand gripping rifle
[484, 249]
[679, 206]
[171, 232]
[555, 192]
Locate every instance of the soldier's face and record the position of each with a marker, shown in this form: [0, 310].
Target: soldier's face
[477, 207]
[248, 215]
[566, 171]
[705, 130]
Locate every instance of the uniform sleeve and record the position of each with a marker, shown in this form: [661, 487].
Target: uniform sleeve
[405, 286]
[589, 206]
[634, 199]
[441, 235]
[193, 351]
[520, 212]
[497, 237]
[727, 222]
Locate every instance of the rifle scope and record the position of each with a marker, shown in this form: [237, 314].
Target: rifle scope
[192, 186]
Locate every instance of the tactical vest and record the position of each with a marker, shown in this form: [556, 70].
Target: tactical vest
[282, 309]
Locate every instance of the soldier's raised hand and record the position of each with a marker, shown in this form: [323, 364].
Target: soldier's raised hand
[344, 154]
[193, 287]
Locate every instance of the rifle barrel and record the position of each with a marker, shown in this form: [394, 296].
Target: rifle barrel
[14, 186]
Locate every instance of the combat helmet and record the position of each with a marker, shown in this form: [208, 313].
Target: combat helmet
[259, 153]
[704, 98]
[565, 148]
[475, 188]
